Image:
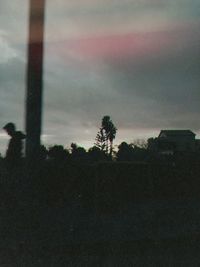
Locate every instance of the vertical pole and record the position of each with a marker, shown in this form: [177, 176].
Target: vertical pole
[34, 78]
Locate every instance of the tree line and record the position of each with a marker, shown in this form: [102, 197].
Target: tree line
[103, 149]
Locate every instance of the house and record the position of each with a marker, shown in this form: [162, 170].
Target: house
[197, 145]
[170, 141]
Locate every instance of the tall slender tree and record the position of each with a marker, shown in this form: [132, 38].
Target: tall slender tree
[105, 128]
[112, 135]
[100, 140]
[108, 130]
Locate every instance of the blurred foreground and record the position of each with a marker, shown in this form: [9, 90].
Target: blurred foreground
[105, 214]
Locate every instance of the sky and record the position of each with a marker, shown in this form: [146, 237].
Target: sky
[137, 61]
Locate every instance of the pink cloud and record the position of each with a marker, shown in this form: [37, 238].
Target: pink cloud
[120, 46]
[124, 46]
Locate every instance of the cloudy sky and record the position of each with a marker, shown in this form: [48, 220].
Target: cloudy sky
[135, 60]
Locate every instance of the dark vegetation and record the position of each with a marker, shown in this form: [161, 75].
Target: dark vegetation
[85, 213]
[132, 207]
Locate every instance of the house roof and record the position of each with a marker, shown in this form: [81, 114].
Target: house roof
[172, 133]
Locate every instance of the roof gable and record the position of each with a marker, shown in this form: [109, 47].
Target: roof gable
[173, 133]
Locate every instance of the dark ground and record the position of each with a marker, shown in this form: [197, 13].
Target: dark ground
[46, 221]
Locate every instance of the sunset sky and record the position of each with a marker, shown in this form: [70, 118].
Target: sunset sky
[135, 60]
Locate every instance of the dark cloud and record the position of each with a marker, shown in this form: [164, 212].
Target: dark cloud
[166, 88]
[12, 91]
[159, 91]
[141, 94]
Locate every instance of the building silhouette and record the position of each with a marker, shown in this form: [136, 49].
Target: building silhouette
[171, 141]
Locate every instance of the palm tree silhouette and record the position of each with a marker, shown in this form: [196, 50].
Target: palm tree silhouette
[110, 131]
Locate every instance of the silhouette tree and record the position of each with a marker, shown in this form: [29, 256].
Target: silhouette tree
[110, 132]
[111, 136]
[43, 152]
[58, 153]
[125, 152]
[100, 140]
[78, 153]
[140, 143]
[96, 154]
[130, 152]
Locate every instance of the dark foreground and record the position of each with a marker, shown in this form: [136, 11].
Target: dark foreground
[72, 216]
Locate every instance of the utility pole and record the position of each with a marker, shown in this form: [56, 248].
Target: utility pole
[34, 78]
